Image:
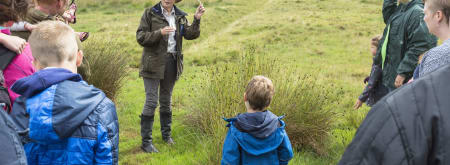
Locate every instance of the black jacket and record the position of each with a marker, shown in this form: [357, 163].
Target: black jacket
[409, 126]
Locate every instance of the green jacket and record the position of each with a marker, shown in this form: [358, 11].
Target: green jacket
[155, 44]
[408, 39]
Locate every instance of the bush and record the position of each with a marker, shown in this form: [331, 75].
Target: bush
[300, 97]
[104, 65]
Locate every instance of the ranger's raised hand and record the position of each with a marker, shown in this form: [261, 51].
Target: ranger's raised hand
[200, 11]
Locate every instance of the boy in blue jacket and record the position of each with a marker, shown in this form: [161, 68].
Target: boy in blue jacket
[258, 136]
[69, 121]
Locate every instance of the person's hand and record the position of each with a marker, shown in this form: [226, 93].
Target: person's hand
[29, 27]
[358, 104]
[167, 30]
[399, 81]
[410, 81]
[13, 43]
[200, 11]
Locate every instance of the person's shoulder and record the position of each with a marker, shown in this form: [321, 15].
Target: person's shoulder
[416, 11]
[35, 16]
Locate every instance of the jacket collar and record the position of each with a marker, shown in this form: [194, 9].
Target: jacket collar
[157, 10]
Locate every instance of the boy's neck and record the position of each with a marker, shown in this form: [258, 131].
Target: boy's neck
[63, 66]
[444, 33]
[250, 109]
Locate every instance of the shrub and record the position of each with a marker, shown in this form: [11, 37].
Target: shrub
[104, 65]
[300, 97]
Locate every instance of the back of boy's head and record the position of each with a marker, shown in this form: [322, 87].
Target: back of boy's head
[259, 92]
[52, 43]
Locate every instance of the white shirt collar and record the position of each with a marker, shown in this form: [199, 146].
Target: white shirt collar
[164, 11]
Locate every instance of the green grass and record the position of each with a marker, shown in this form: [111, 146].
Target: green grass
[328, 39]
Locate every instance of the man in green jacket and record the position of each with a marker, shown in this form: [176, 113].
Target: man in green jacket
[405, 38]
[161, 33]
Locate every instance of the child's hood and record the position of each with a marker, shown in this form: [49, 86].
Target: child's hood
[41, 80]
[255, 145]
[259, 124]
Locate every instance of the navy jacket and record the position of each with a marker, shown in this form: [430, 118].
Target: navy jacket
[256, 139]
[13, 153]
[69, 121]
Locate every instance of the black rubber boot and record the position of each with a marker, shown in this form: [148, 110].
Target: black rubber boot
[166, 122]
[146, 133]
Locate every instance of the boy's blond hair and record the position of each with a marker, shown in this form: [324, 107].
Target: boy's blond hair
[442, 5]
[259, 92]
[52, 43]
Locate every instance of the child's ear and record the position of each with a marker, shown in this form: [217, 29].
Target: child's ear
[79, 58]
[245, 97]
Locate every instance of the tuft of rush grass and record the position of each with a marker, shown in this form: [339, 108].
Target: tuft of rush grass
[299, 97]
[327, 39]
[104, 65]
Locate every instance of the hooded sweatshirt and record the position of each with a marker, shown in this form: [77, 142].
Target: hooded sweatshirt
[21, 66]
[69, 121]
[256, 138]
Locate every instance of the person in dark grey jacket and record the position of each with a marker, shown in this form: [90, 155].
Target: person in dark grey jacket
[409, 126]
[13, 152]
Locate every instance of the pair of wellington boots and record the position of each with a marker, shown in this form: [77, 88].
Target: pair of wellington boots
[146, 131]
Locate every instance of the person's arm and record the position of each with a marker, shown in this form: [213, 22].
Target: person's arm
[231, 154]
[193, 31]
[365, 94]
[107, 147]
[418, 41]
[285, 152]
[389, 7]
[18, 27]
[103, 148]
[13, 43]
[144, 36]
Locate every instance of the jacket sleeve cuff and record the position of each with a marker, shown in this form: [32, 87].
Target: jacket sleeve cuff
[196, 21]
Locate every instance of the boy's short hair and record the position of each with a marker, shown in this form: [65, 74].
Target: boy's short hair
[442, 5]
[259, 92]
[375, 40]
[53, 42]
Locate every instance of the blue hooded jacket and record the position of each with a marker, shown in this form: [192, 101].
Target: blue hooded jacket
[256, 139]
[69, 121]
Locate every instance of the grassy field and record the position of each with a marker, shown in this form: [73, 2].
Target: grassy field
[326, 38]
